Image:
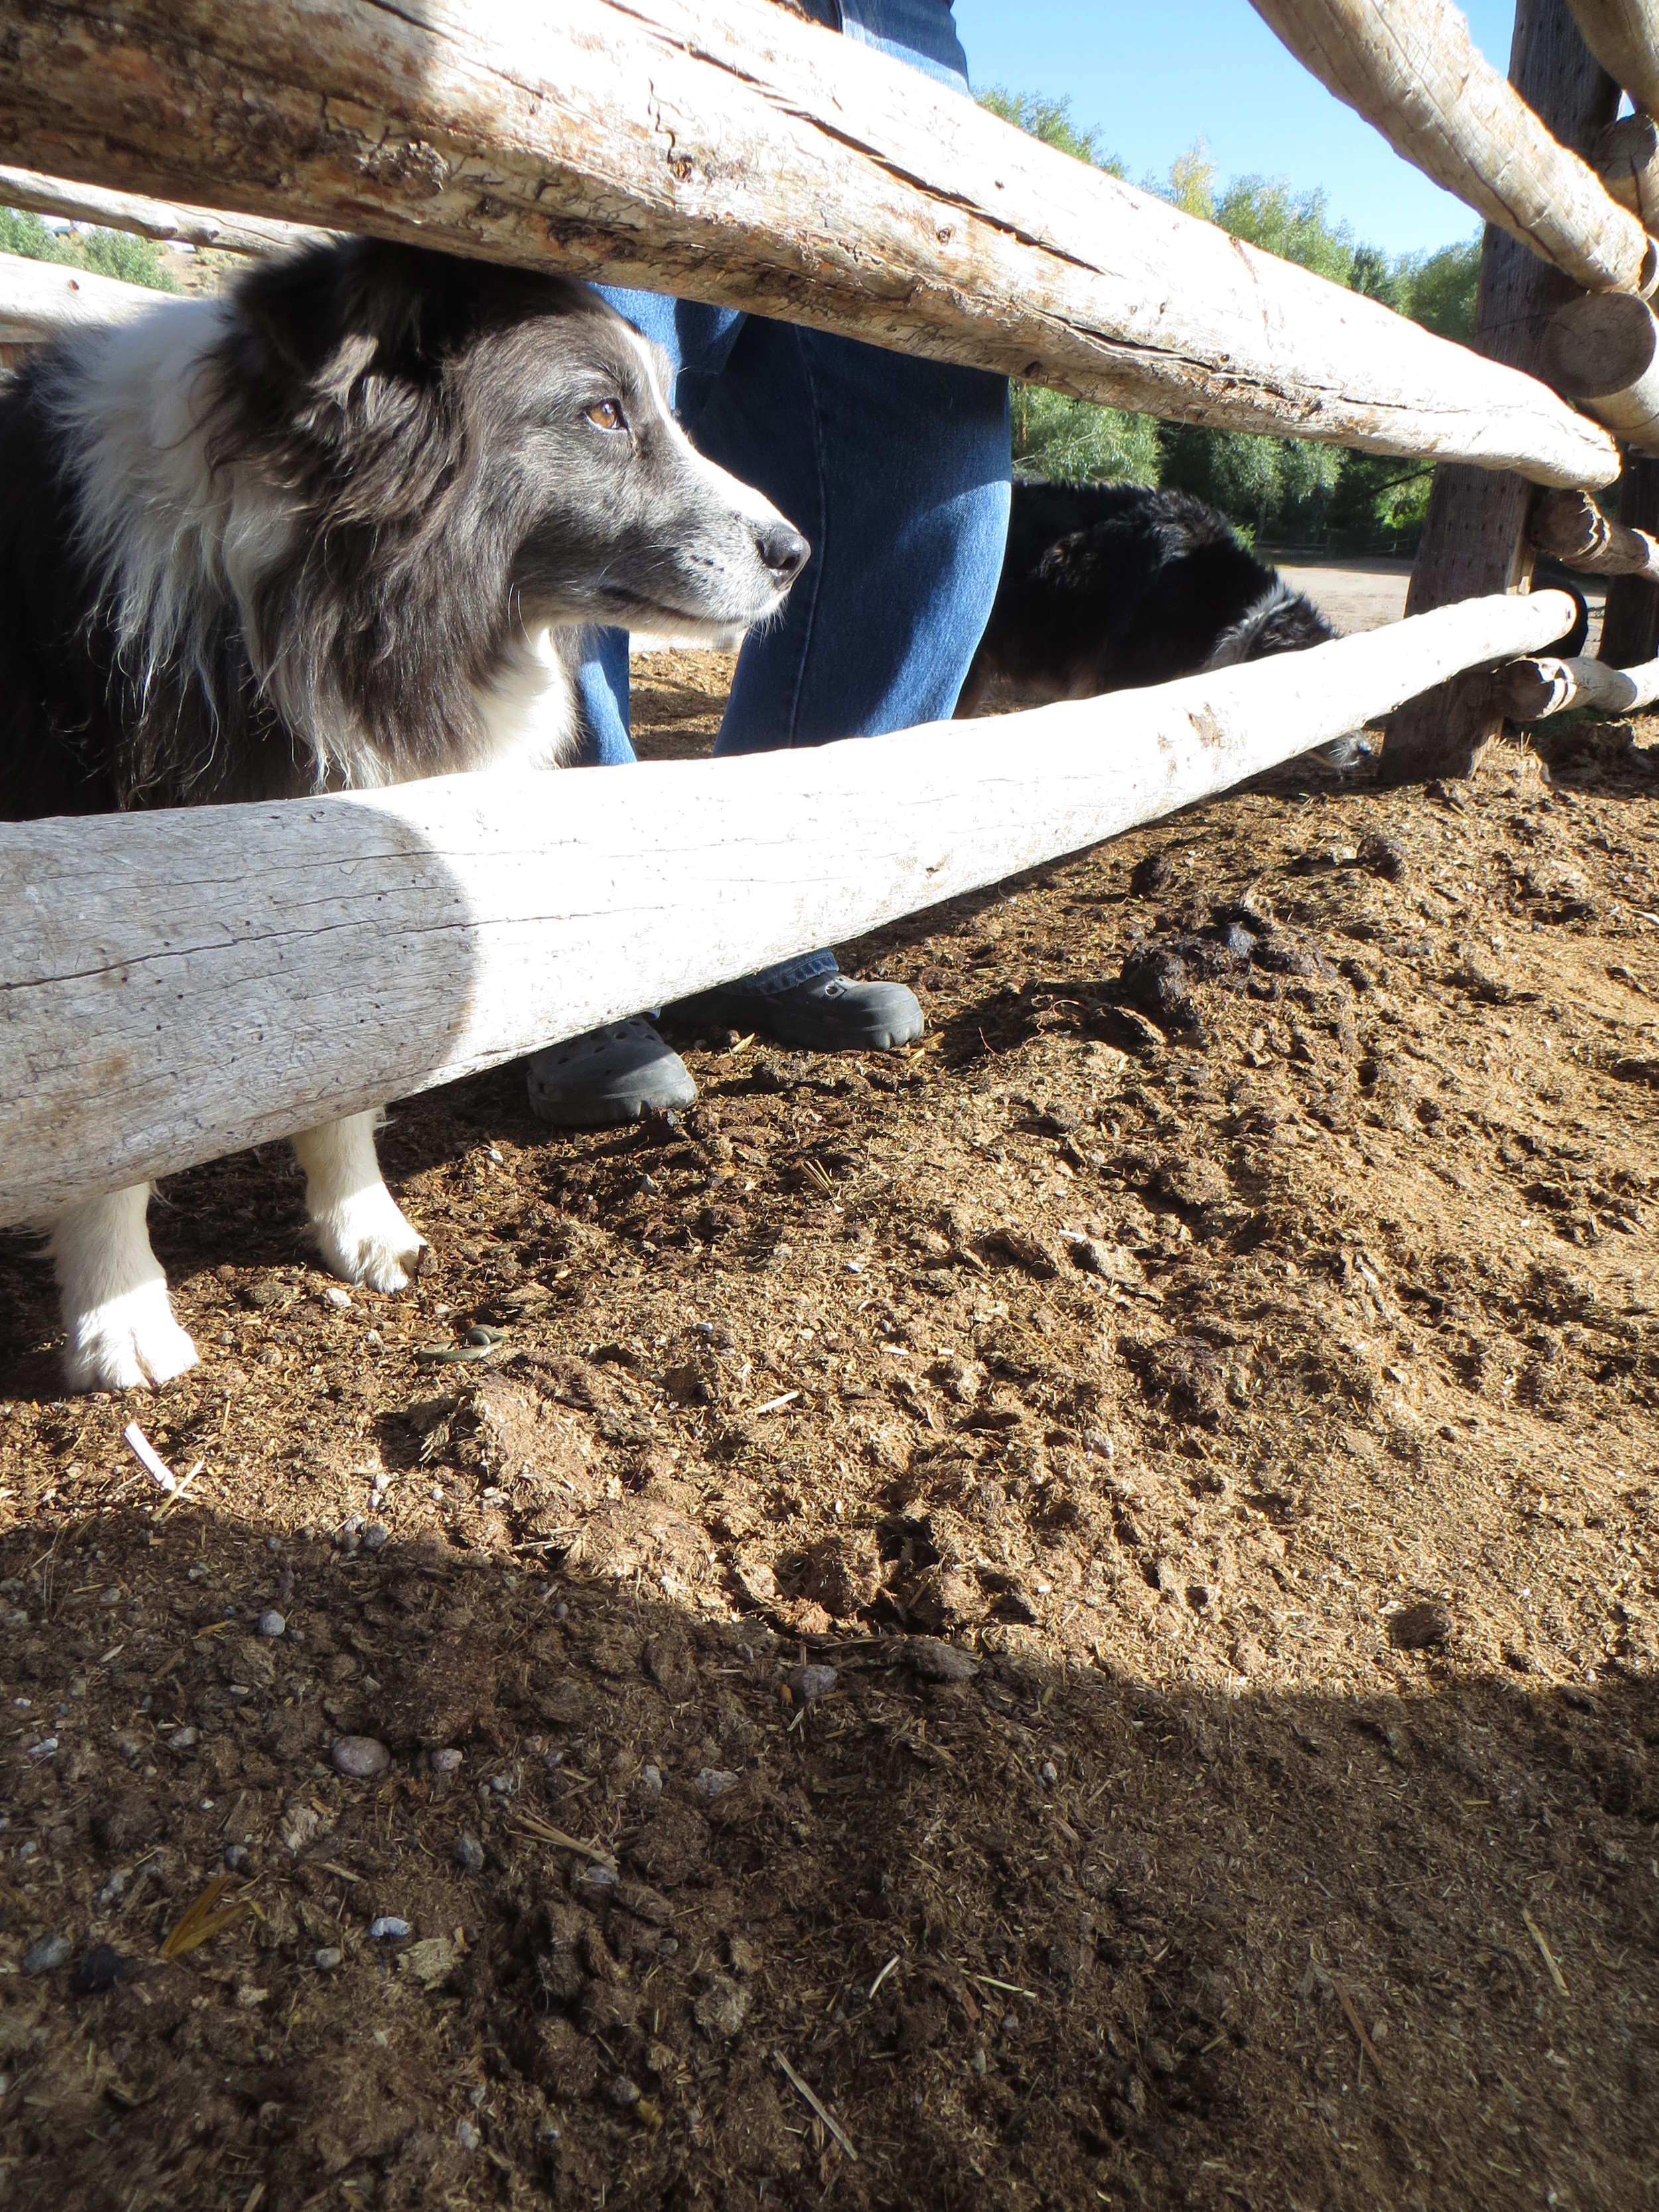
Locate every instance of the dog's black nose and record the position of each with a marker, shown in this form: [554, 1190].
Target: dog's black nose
[784, 551]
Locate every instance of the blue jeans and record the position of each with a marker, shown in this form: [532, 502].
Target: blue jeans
[895, 469]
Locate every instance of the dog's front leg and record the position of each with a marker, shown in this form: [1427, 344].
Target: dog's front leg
[364, 1238]
[122, 1334]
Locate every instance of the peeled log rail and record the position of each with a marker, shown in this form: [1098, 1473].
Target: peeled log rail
[41, 300]
[1624, 37]
[1570, 527]
[1603, 351]
[148, 218]
[1627, 162]
[1410, 67]
[176, 985]
[726, 150]
[1531, 690]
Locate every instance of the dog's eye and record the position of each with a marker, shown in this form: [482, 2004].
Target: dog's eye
[605, 415]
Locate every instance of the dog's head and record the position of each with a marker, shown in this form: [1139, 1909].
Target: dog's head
[504, 431]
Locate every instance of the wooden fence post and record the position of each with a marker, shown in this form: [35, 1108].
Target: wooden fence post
[1630, 626]
[1475, 538]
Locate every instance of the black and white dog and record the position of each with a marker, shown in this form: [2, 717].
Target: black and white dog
[338, 528]
[1106, 587]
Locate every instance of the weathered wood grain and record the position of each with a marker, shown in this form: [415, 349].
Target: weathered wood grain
[1603, 351]
[1570, 527]
[174, 985]
[723, 149]
[1531, 690]
[1411, 68]
[1624, 37]
[1627, 158]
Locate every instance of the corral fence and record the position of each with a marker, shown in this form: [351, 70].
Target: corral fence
[173, 985]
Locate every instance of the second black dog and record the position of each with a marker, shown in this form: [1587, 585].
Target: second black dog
[1106, 587]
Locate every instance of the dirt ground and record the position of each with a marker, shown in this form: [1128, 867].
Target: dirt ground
[1067, 1617]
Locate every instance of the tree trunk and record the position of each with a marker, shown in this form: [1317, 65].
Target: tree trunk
[1475, 539]
[724, 150]
[177, 984]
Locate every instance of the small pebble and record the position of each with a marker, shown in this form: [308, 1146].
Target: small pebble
[375, 1535]
[808, 1684]
[595, 1881]
[1048, 1772]
[336, 1297]
[45, 1954]
[372, 1342]
[445, 1762]
[979, 2059]
[714, 1782]
[502, 1785]
[271, 1624]
[649, 1785]
[624, 2093]
[362, 1757]
[467, 2137]
[387, 1928]
[183, 1739]
[327, 1958]
[48, 1744]
[469, 1854]
[235, 1857]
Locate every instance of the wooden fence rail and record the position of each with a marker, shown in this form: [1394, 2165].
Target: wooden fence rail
[41, 300]
[167, 224]
[176, 984]
[1409, 67]
[1624, 37]
[725, 150]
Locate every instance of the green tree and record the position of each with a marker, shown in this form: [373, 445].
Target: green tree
[109, 252]
[1071, 441]
[1051, 121]
[1292, 490]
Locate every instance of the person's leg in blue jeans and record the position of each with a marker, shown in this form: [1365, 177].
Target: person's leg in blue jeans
[897, 471]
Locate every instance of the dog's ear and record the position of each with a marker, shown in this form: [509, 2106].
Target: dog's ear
[325, 317]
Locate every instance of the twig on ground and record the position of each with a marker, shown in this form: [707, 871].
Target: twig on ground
[822, 2110]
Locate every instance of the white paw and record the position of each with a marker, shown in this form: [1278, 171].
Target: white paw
[128, 1343]
[365, 1239]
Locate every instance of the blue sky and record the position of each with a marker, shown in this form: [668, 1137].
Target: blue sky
[1155, 74]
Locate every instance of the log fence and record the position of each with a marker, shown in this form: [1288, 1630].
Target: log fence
[215, 976]
[728, 151]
